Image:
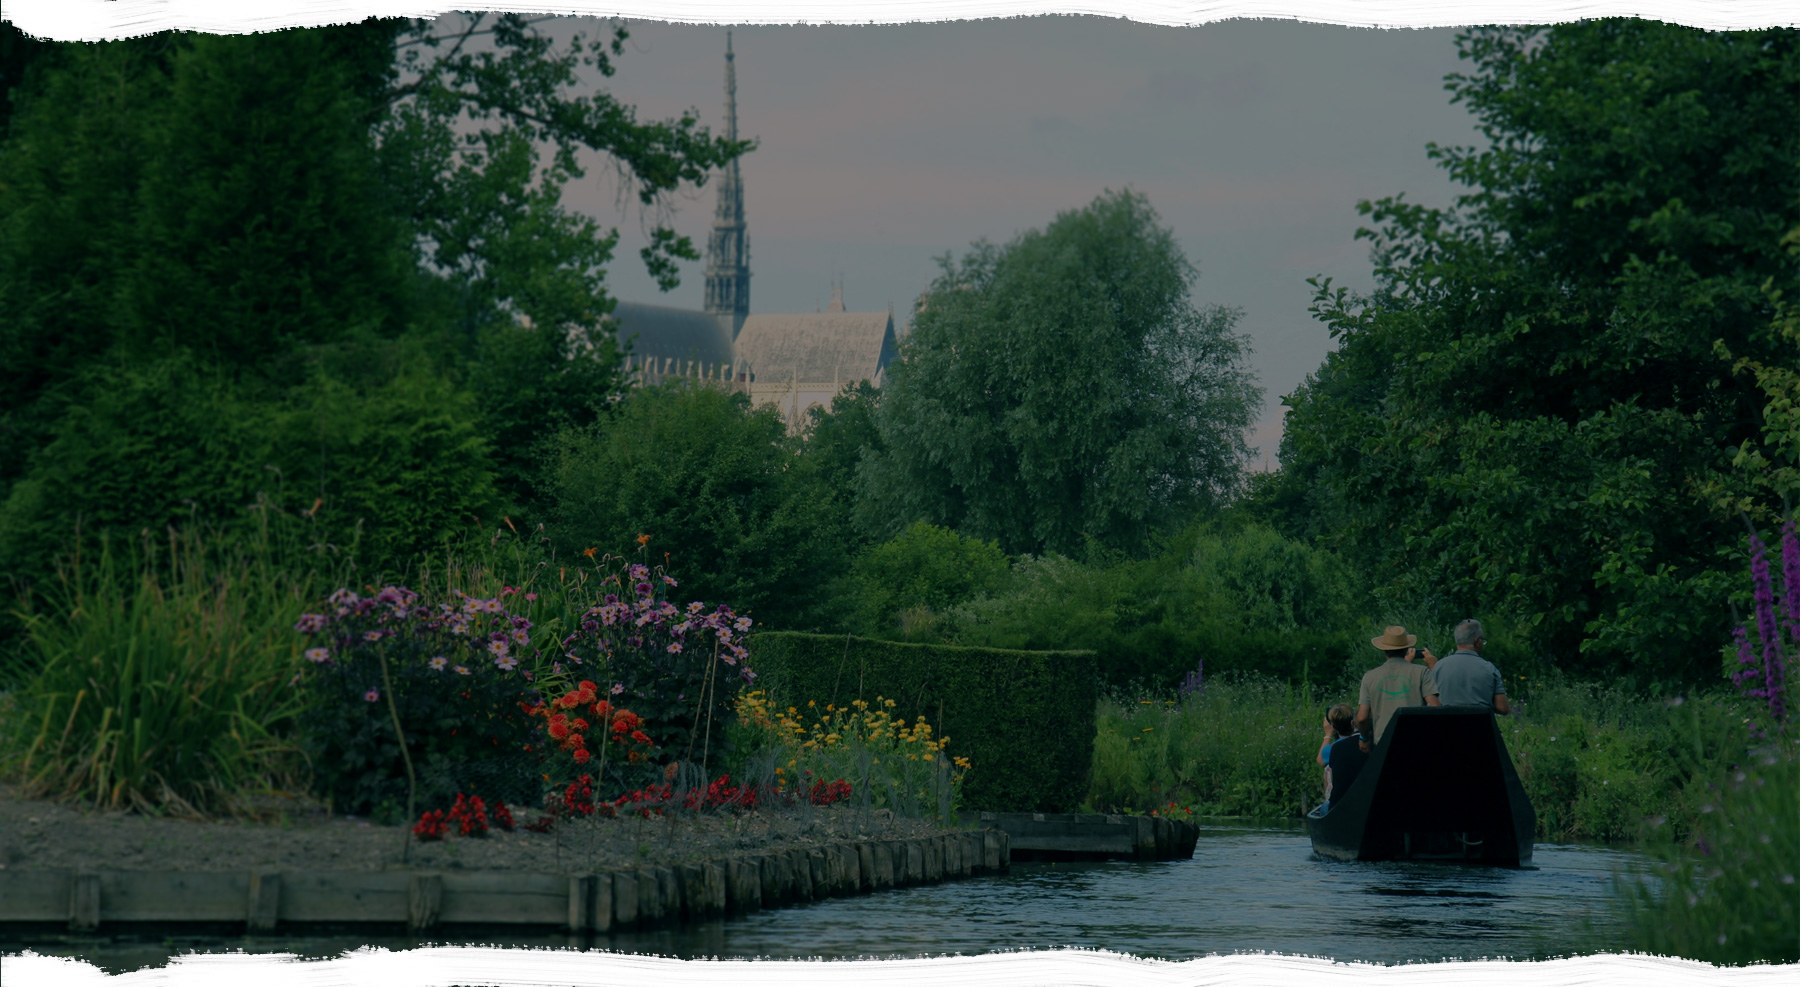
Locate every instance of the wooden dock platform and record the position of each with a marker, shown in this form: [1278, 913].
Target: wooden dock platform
[1069, 836]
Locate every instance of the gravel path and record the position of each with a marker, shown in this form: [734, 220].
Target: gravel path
[40, 835]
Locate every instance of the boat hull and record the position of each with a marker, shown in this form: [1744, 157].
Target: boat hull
[1439, 786]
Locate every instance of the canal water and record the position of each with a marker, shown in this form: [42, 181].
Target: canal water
[1245, 890]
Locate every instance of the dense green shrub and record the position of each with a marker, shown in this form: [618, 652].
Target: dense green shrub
[1242, 598]
[905, 582]
[1024, 719]
[1257, 579]
[393, 449]
[711, 481]
[381, 446]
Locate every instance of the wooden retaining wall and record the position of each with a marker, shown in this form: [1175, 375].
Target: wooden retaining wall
[1070, 836]
[623, 900]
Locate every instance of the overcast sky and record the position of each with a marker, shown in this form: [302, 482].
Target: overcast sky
[884, 146]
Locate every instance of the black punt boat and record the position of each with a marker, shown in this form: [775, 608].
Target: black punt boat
[1439, 786]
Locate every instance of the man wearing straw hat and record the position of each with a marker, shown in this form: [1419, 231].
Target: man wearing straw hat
[1395, 683]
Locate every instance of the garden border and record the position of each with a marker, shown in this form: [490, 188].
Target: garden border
[602, 902]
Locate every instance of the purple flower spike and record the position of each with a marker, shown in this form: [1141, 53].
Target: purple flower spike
[1765, 606]
[1762, 677]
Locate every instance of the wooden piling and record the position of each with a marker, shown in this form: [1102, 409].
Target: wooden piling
[84, 902]
[263, 907]
[424, 900]
[625, 899]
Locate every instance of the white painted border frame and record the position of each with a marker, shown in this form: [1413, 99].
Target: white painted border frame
[445, 966]
[95, 20]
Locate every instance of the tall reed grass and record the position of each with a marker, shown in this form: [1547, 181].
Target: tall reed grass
[162, 674]
[1243, 746]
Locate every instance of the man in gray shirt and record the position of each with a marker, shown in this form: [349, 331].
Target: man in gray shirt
[1464, 678]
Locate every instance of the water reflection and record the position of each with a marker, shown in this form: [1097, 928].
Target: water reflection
[1245, 889]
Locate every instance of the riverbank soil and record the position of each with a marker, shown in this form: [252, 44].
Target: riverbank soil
[41, 835]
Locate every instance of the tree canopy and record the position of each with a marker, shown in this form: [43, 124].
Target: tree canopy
[1528, 413]
[317, 228]
[1062, 389]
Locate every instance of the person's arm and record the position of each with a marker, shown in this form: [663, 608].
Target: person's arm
[1429, 658]
[1501, 706]
[1428, 687]
[1327, 782]
[1363, 726]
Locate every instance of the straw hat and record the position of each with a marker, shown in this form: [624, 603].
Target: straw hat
[1394, 639]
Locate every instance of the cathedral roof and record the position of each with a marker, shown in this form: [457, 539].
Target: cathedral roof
[673, 333]
[817, 346]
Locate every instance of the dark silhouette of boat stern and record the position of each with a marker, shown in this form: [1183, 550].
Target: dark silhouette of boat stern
[1439, 786]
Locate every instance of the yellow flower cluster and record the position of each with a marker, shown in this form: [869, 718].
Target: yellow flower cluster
[860, 724]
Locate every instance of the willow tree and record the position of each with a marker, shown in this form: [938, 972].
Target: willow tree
[1063, 390]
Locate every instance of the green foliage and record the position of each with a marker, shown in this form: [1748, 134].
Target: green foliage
[1589, 779]
[1062, 389]
[1267, 582]
[836, 441]
[158, 441]
[69, 170]
[1239, 598]
[1528, 417]
[394, 449]
[1773, 463]
[529, 385]
[712, 482]
[1024, 719]
[838, 438]
[162, 679]
[512, 90]
[924, 569]
[1243, 747]
[261, 224]
[248, 210]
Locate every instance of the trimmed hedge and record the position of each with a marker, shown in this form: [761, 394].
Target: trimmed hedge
[1025, 719]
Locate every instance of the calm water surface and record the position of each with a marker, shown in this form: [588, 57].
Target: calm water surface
[1244, 890]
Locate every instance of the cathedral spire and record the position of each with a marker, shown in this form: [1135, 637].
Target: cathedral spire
[728, 248]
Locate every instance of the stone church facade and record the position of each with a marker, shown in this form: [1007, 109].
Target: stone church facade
[790, 360]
